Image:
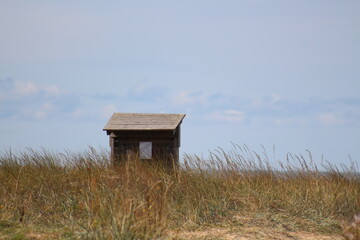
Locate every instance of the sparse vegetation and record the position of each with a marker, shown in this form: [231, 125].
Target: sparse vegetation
[46, 195]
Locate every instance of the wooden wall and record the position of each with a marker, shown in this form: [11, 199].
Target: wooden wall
[165, 144]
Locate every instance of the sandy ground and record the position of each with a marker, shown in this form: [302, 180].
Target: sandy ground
[250, 234]
[215, 234]
[250, 229]
[239, 228]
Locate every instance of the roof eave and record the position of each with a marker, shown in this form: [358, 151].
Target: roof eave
[143, 129]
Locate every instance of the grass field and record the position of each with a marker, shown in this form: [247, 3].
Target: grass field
[234, 194]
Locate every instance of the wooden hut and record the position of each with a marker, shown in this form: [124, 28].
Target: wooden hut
[144, 136]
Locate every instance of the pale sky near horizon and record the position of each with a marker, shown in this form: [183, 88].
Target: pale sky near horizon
[256, 72]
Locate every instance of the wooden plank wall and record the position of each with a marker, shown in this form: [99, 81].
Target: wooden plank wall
[165, 144]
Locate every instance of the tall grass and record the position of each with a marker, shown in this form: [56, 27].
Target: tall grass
[82, 196]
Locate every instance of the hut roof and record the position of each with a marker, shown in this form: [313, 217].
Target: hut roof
[143, 121]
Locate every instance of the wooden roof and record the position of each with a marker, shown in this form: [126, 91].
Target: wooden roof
[143, 121]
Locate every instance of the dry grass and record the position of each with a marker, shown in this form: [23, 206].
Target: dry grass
[79, 196]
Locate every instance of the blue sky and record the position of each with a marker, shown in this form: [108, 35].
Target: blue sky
[283, 73]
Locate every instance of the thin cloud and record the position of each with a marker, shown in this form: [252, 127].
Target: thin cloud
[271, 99]
[11, 89]
[232, 116]
[292, 121]
[101, 112]
[28, 100]
[187, 97]
[330, 119]
[269, 110]
[25, 88]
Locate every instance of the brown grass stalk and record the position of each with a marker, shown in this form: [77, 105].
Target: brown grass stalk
[80, 195]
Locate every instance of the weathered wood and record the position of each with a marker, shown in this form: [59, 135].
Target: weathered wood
[112, 153]
[145, 133]
[127, 130]
[143, 121]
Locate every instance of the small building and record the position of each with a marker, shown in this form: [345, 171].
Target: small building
[144, 136]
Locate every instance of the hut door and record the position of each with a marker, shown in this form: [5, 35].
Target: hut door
[145, 150]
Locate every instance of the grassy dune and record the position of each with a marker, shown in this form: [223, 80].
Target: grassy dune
[46, 195]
